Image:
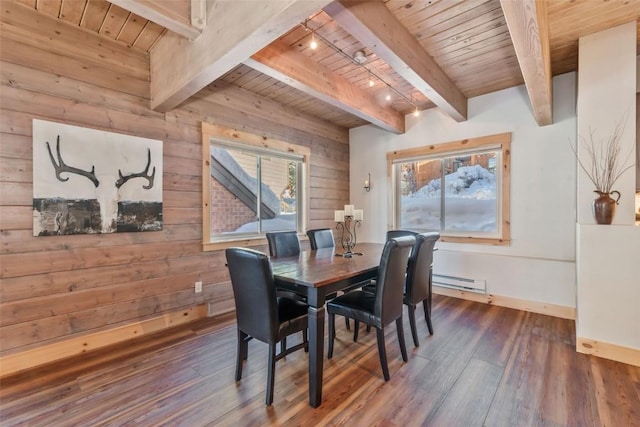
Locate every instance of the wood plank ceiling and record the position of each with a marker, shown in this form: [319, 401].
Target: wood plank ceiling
[468, 39]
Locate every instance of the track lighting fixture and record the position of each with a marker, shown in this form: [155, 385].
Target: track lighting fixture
[359, 58]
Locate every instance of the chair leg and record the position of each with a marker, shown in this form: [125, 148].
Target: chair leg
[427, 314]
[357, 330]
[270, 374]
[412, 323]
[403, 347]
[245, 353]
[346, 323]
[332, 334]
[305, 340]
[332, 329]
[283, 345]
[242, 353]
[382, 353]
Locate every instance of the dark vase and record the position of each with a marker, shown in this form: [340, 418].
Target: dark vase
[604, 207]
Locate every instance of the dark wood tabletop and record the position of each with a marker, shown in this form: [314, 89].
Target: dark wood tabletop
[322, 267]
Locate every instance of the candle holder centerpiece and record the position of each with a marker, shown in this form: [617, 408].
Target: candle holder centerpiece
[347, 221]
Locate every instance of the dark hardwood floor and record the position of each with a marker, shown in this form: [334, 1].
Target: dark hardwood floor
[485, 365]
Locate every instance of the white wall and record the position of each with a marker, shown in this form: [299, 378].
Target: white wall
[608, 303]
[606, 96]
[608, 267]
[539, 265]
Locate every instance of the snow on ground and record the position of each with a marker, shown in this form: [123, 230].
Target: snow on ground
[470, 202]
[279, 223]
[470, 205]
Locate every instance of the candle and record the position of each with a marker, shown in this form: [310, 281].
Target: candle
[348, 210]
[358, 215]
[338, 216]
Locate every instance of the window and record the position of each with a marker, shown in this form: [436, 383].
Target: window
[251, 185]
[460, 189]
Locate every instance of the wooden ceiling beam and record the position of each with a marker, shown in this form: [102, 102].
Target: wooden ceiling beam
[235, 98]
[376, 27]
[235, 30]
[281, 62]
[155, 12]
[528, 25]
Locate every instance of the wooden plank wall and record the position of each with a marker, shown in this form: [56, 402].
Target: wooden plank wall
[59, 288]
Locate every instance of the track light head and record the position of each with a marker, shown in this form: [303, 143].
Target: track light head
[359, 57]
[314, 44]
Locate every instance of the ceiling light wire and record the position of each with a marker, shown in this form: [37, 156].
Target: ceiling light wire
[371, 73]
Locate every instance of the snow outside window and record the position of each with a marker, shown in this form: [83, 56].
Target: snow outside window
[254, 192]
[458, 189]
[251, 185]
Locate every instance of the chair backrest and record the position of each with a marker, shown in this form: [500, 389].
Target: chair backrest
[418, 283]
[321, 238]
[393, 267]
[391, 234]
[254, 292]
[283, 244]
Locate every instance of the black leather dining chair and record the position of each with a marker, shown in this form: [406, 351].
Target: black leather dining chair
[371, 287]
[283, 243]
[418, 282]
[321, 238]
[381, 308]
[260, 313]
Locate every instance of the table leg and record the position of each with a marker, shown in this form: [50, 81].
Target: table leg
[316, 354]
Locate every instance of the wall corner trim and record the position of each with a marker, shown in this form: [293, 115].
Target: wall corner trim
[609, 351]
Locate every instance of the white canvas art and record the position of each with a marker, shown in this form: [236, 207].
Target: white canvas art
[91, 181]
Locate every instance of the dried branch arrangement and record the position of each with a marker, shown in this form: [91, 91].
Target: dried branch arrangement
[604, 166]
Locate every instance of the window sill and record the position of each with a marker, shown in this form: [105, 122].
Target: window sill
[476, 240]
[244, 243]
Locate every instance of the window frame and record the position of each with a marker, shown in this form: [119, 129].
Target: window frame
[237, 138]
[499, 142]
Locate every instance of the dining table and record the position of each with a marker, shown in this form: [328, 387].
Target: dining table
[316, 274]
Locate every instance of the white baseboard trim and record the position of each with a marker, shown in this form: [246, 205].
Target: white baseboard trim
[561, 311]
[630, 356]
[20, 361]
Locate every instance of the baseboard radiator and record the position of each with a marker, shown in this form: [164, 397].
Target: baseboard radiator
[460, 283]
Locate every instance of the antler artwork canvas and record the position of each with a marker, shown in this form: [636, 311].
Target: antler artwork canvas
[90, 181]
